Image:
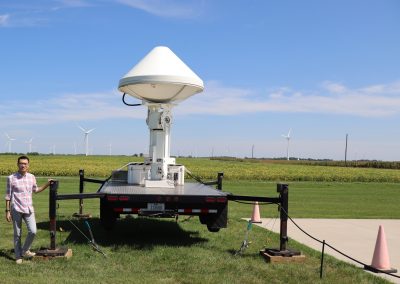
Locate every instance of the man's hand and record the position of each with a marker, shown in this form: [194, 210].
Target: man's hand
[8, 216]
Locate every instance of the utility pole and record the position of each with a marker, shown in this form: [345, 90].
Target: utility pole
[345, 151]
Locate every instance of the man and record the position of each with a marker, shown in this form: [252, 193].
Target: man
[20, 186]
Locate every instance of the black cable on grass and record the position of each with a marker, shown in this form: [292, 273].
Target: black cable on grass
[335, 249]
[90, 242]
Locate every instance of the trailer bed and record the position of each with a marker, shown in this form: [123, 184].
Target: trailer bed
[188, 189]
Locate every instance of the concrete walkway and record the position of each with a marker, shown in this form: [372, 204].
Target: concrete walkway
[354, 237]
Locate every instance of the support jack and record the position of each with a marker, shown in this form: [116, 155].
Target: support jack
[80, 215]
[283, 254]
[53, 251]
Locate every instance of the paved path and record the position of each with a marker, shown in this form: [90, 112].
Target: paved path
[354, 237]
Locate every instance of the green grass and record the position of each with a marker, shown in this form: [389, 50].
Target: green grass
[328, 199]
[142, 250]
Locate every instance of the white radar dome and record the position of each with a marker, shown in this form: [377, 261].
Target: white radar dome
[161, 77]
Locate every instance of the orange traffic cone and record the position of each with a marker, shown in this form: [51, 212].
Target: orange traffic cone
[380, 259]
[255, 218]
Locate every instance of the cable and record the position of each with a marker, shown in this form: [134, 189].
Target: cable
[93, 242]
[196, 178]
[335, 249]
[94, 245]
[123, 100]
[252, 203]
[79, 229]
[245, 243]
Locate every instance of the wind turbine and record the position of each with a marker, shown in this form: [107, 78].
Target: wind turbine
[288, 139]
[29, 142]
[9, 142]
[86, 139]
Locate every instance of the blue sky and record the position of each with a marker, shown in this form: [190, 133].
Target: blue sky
[321, 68]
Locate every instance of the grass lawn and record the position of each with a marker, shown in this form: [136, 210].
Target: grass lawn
[142, 250]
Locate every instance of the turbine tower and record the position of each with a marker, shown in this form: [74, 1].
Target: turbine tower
[288, 139]
[29, 142]
[9, 142]
[86, 139]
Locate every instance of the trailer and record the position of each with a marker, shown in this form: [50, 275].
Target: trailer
[192, 199]
[157, 186]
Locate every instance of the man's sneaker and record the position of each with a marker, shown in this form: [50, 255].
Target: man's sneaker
[18, 261]
[28, 254]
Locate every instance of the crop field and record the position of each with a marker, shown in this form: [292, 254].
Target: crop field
[102, 166]
[155, 250]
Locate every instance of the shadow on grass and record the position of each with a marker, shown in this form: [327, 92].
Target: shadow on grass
[7, 254]
[139, 233]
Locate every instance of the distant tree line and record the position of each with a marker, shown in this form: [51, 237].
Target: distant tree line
[318, 162]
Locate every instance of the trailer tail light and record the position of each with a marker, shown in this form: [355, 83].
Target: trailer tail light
[123, 198]
[216, 199]
[112, 198]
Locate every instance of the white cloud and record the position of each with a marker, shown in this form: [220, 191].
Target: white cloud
[38, 13]
[69, 107]
[165, 8]
[215, 100]
[335, 88]
[4, 20]
[334, 98]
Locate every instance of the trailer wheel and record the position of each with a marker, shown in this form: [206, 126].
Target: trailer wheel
[213, 229]
[107, 216]
[203, 219]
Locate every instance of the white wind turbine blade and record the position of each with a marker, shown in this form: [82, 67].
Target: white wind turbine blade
[9, 137]
[81, 128]
[288, 135]
[90, 130]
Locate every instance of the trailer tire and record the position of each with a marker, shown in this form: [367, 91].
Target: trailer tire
[108, 217]
[203, 219]
[213, 229]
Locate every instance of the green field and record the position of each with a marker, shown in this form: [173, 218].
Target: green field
[143, 250]
[101, 166]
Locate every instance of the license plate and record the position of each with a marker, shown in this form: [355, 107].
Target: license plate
[155, 206]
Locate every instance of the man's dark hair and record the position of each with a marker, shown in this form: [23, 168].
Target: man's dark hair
[23, 157]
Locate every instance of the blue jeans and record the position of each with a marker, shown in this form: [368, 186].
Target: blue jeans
[30, 222]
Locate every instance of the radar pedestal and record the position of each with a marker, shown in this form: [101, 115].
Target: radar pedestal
[159, 121]
[160, 80]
